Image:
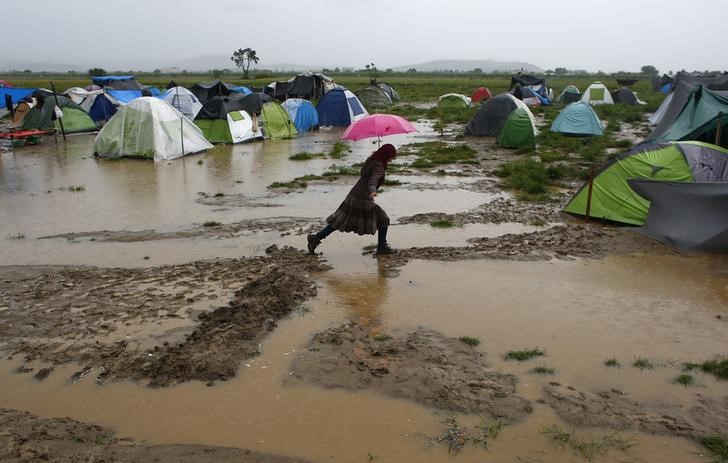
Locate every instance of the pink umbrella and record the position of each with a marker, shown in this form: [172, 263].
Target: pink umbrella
[377, 125]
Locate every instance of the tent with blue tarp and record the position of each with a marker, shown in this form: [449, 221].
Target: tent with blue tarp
[241, 89]
[124, 96]
[16, 93]
[302, 113]
[577, 119]
[340, 107]
[102, 108]
[117, 82]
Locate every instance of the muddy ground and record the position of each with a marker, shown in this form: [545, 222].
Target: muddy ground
[25, 437]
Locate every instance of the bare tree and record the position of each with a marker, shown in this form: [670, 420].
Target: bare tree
[243, 58]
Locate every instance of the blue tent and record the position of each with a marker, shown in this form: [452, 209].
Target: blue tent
[666, 88]
[16, 93]
[106, 80]
[102, 109]
[578, 119]
[124, 96]
[241, 89]
[302, 113]
[339, 107]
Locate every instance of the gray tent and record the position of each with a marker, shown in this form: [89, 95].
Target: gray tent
[625, 95]
[686, 215]
[492, 115]
[393, 95]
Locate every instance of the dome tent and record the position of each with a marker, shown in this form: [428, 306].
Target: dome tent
[625, 95]
[50, 110]
[518, 131]
[185, 101]
[302, 113]
[597, 93]
[391, 92]
[224, 119]
[480, 94]
[339, 107]
[569, 95]
[493, 114]
[577, 119]
[149, 128]
[373, 97]
[276, 122]
[453, 100]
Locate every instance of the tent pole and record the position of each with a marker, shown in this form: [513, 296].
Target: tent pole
[60, 119]
[589, 193]
[718, 129]
[181, 123]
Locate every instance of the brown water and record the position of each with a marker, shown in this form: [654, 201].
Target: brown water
[580, 312]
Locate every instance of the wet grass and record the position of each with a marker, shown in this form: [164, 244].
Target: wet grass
[456, 437]
[73, 188]
[339, 150]
[717, 446]
[717, 367]
[211, 223]
[437, 153]
[539, 222]
[443, 223]
[529, 178]
[542, 370]
[469, 340]
[306, 156]
[642, 363]
[684, 380]
[369, 247]
[17, 236]
[612, 362]
[523, 355]
[381, 337]
[590, 448]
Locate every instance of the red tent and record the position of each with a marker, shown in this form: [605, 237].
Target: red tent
[480, 94]
[5, 83]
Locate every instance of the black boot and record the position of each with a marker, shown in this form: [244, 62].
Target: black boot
[385, 249]
[313, 242]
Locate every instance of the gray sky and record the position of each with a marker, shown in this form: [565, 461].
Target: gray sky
[588, 34]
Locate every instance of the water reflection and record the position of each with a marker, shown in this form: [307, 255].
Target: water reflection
[362, 296]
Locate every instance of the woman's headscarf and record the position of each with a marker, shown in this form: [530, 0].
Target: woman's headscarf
[384, 154]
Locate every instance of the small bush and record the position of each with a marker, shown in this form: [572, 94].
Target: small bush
[523, 355]
[305, 156]
[642, 363]
[717, 367]
[542, 370]
[612, 362]
[684, 380]
[471, 341]
[718, 446]
[442, 223]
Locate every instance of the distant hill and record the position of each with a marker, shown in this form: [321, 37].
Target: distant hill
[487, 65]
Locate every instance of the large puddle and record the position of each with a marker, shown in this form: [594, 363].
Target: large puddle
[581, 312]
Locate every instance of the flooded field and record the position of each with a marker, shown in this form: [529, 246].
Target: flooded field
[173, 304]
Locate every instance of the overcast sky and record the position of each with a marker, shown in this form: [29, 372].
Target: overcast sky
[588, 34]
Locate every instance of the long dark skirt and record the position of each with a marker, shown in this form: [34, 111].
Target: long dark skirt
[361, 216]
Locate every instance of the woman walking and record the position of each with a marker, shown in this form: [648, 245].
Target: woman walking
[358, 213]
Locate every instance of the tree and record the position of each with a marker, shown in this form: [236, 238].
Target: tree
[477, 71]
[243, 58]
[561, 71]
[649, 70]
[96, 72]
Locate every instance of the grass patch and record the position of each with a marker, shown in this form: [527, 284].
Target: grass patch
[74, 188]
[381, 337]
[539, 222]
[341, 171]
[542, 370]
[17, 236]
[369, 247]
[612, 362]
[339, 150]
[529, 178]
[523, 355]
[456, 437]
[642, 363]
[717, 446]
[469, 340]
[219, 195]
[298, 182]
[684, 379]
[588, 447]
[717, 367]
[437, 153]
[211, 223]
[305, 156]
[389, 182]
[443, 223]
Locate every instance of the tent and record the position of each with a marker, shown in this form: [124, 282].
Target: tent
[391, 92]
[480, 94]
[625, 95]
[122, 97]
[686, 215]
[252, 103]
[46, 110]
[16, 94]
[82, 97]
[185, 101]
[704, 112]
[453, 100]
[308, 86]
[597, 93]
[205, 90]
[518, 131]
[149, 128]
[529, 96]
[224, 119]
[578, 119]
[302, 113]
[5, 84]
[241, 89]
[340, 107]
[657, 116]
[613, 199]
[373, 97]
[535, 85]
[276, 122]
[493, 114]
[103, 108]
[117, 82]
[569, 95]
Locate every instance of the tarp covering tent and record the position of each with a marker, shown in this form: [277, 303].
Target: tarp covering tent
[205, 90]
[704, 112]
[82, 97]
[241, 89]
[613, 199]
[529, 96]
[309, 86]
[185, 101]
[103, 108]
[579, 119]
[569, 95]
[536, 85]
[373, 97]
[597, 93]
[117, 82]
[519, 131]
[16, 94]
[302, 113]
[686, 215]
[276, 122]
[252, 103]
[493, 114]
[453, 100]
[624, 95]
[149, 128]
[44, 115]
[659, 82]
[683, 86]
[123, 97]
[391, 92]
[480, 94]
[339, 107]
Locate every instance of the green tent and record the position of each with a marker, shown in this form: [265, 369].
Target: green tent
[700, 116]
[569, 95]
[613, 199]
[518, 132]
[74, 118]
[373, 97]
[276, 122]
[453, 100]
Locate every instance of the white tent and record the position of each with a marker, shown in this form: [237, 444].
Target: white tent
[243, 127]
[182, 99]
[657, 116]
[449, 97]
[597, 93]
[82, 97]
[149, 128]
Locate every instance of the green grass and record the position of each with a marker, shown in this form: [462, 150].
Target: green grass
[717, 446]
[717, 367]
[642, 363]
[381, 337]
[306, 156]
[17, 236]
[296, 183]
[443, 223]
[523, 355]
[339, 150]
[369, 247]
[469, 340]
[542, 370]
[684, 380]
[437, 153]
[590, 447]
[211, 223]
[74, 188]
[612, 362]
[529, 178]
